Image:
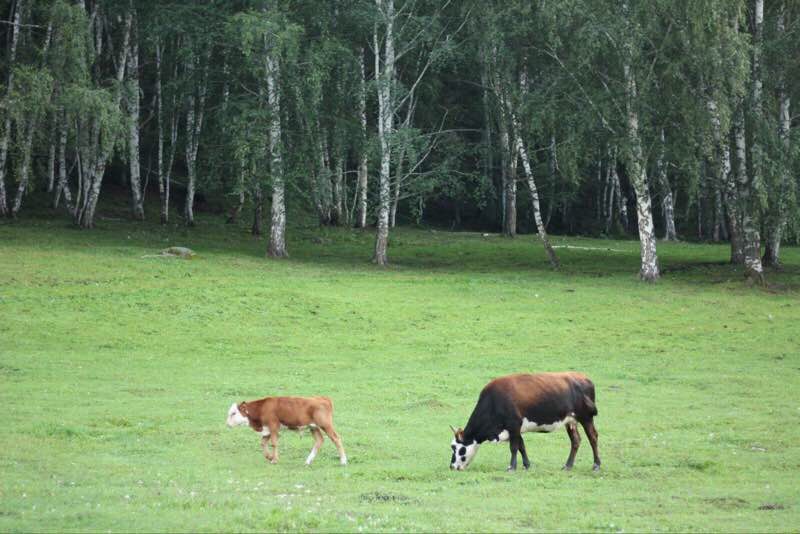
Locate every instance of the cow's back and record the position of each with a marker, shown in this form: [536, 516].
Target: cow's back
[546, 397]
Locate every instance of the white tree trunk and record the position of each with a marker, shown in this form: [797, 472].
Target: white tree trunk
[137, 196]
[51, 155]
[277, 230]
[338, 186]
[776, 225]
[194, 127]
[750, 235]
[537, 215]
[637, 171]
[164, 212]
[363, 175]
[666, 192]
[727, 183]
[6, 134]
[63, 184]
[24, 167]
[385, 78]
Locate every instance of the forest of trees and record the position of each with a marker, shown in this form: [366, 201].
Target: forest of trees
[662, 119]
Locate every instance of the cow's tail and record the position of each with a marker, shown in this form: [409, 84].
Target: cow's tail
[588, 397]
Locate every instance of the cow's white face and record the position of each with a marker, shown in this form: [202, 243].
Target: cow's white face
[235, 417]
[462, 454]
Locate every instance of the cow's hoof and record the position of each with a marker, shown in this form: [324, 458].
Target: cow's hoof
[527, 467]
[596, 467]
[567, 468]
[273, 461]
[511, 468]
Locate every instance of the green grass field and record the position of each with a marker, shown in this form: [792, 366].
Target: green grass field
[116, 372]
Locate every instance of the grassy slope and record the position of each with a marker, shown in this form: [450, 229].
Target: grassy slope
[116, 372]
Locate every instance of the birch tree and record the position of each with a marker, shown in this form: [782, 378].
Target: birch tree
[16, 19]
[132, 95]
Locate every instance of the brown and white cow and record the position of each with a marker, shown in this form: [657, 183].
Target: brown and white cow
[270, 414]
[511, 405]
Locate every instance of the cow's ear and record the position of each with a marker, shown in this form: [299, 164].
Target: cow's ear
[243, 408]
[460, 435]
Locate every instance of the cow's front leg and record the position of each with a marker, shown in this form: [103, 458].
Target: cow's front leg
[265, 448]
[273, 440]
[514, 446]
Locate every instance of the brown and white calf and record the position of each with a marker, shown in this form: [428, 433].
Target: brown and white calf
[511, 405]
[270, 414]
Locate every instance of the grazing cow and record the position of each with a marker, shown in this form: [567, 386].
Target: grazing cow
[270, 414]
[511, 405]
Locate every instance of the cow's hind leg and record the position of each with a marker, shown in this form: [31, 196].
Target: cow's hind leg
[525, 462]
[513, 444]
[591, 433]
[575, 441]
[318, 439]
[331, 432]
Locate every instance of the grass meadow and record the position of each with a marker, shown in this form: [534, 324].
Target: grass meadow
[117, 369]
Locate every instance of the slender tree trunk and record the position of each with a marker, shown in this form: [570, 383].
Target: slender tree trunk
[164, 216]
[638, 174]
[24, 168]
[277, 229]
[385, 79]
[537, 215]
[51, 155]
[6, 134]
[324, 190]
[338, 185]
[727, 184]
[236, 210]
[258, 209]
[191, 154]
[509, 178]
[752, 239]
[132, 99]
[612, 179]
[666, 192]
[194, 127]
[363, 175]
[63, 185]
[777, 222]
[720, 232]
[750, 235]
[487, 160]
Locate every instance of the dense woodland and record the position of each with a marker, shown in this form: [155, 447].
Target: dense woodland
[659, 119]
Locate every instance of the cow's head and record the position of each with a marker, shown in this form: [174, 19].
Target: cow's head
[237, 414]
[463, 453]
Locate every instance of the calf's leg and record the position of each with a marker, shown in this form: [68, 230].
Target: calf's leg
[591, 433]
[318, 439]
[575, 441]
[273, 440]
[331, 432]
[265, 447]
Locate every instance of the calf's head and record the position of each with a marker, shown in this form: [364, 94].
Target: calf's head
[463, 453]
[237, 415]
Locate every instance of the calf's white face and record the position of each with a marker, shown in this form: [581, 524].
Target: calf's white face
[235, 417]
[462, 454]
